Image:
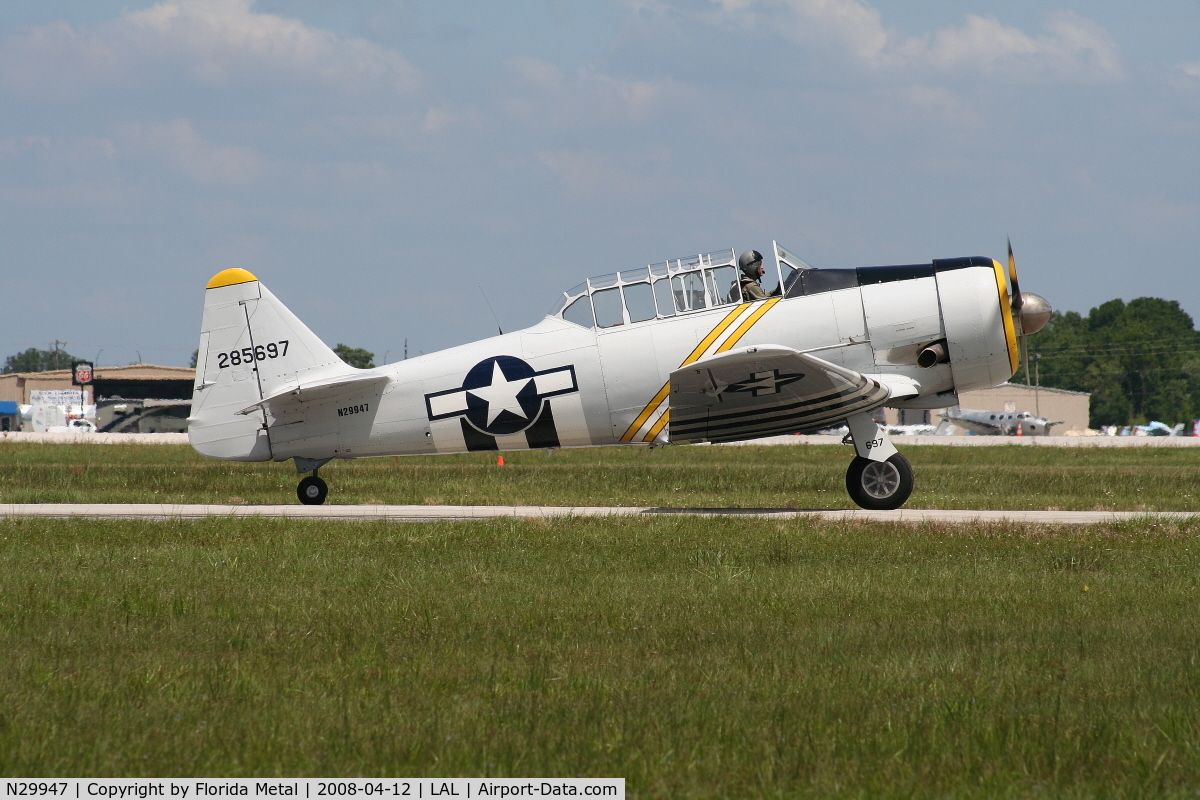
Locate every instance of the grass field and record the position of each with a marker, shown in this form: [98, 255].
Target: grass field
[695, 657]
[801, 476]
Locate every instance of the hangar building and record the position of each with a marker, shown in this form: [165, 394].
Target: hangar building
[1071, 408]
[138, 398]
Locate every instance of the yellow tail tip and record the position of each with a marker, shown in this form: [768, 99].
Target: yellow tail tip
[228, 277]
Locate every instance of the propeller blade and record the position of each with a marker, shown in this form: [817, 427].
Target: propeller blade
[1015, 288]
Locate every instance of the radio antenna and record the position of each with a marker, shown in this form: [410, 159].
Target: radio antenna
[489, 305]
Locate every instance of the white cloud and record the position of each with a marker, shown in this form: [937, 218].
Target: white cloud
[1074, 47]
[437, 120]
[35, 159]
[536, 72]
[629, 175]
[546, 95]
[944, 103]
[185, 151]
[212, 41]
[23, 146]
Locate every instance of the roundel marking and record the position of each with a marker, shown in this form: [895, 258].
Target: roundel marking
[502, 395]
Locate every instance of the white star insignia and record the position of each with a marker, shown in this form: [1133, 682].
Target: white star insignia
[501, 395]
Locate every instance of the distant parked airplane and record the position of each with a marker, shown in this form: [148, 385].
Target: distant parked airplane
[1157, 428]
[997, 423]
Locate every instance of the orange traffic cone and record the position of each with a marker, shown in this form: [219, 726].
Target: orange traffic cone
[1020, 430]
[500, 461]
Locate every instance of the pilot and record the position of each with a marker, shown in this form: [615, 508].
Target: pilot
[751, 265]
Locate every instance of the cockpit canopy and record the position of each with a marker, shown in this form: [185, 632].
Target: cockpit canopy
[665, 289]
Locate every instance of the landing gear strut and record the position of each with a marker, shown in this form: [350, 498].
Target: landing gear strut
[312, 490]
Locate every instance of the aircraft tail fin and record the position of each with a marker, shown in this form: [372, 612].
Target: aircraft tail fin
[251, 347]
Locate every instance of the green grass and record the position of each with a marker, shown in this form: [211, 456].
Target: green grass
[695, 657]
[801, 476]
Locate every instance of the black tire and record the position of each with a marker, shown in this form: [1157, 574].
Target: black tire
[879, 485]
[312, 491]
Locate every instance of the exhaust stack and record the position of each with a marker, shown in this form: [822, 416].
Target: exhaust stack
[933, 354]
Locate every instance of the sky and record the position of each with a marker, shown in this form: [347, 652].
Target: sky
[390, 168]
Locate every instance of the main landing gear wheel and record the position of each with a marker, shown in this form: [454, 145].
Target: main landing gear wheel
[879, 485]
[312, 491]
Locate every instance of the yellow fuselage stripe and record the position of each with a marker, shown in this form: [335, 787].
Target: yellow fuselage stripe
[714, 334]
[650, 408]
[653, 405]
[728, 344]
[747, 324]
[1010, 332]
[656, 429]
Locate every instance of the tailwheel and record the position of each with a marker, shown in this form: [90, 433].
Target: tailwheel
[879, 485]
[312, 491]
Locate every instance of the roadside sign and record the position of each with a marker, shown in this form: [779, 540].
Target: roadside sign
[81, 373]
[56, 397]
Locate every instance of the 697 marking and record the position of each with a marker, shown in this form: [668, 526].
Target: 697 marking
[248, 355]
[875, 443]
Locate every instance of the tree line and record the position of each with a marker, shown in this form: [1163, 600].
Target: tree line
[36, 360]
[1139, 360]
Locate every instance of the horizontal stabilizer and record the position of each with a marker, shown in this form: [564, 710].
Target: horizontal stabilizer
[766, 390]
[318, 389]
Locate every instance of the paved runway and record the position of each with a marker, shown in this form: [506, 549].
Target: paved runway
[434, 513]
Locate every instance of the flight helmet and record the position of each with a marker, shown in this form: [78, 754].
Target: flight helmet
[748, 263]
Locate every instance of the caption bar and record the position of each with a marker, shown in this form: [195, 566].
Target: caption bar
[420, 788]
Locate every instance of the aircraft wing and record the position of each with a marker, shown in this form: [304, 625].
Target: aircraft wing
[317, 389]
[768, 390]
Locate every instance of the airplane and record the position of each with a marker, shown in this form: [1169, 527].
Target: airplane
[1156, 428]
[997, 423]
[663, 354]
